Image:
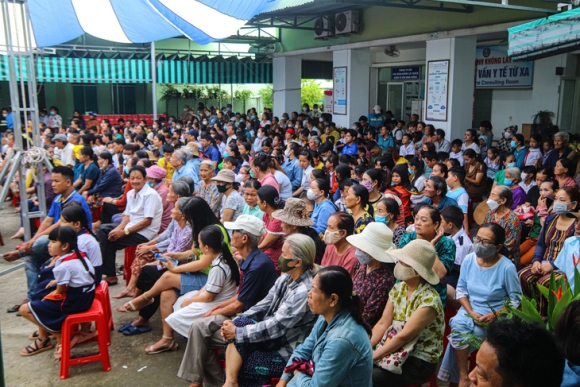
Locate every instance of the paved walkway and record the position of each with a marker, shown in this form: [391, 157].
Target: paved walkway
[131, 366]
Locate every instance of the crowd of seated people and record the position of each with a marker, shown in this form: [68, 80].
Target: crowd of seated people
[310, 254]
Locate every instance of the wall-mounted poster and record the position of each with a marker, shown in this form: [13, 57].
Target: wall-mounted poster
[437, 90]
[495, 70]
[339, 91]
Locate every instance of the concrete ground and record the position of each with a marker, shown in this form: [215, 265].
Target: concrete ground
[131, 366]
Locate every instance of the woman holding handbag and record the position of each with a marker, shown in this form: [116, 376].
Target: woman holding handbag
[408, 339]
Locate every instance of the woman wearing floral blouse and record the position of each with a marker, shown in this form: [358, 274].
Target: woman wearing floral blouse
[500, 201]
[356, 201]
[206, 188]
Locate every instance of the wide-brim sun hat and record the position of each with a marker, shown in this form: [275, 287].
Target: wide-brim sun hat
[376, 240]
[294, 213]
[420, 255]
[225, 175]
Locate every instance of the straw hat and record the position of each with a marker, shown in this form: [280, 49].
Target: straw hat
[420, 255]
[294, 213]
[480, 211]
[375, 240]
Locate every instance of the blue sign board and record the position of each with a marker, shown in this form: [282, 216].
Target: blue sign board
[406, 73]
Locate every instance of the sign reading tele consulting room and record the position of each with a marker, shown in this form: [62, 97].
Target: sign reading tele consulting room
[495, 70]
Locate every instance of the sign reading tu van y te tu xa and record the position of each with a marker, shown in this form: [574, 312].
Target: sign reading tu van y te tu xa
[495, 70]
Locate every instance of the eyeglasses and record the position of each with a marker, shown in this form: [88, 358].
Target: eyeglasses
[485, 242]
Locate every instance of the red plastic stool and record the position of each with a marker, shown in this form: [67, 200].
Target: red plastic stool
[102, 295]
[15, 200]
[129, 257]
[96, 314]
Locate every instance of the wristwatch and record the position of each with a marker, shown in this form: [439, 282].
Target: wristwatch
[127, 231]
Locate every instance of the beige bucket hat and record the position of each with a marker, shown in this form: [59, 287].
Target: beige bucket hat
[420, 255]
[294, 213]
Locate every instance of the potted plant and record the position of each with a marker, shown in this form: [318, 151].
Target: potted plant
[542, 123]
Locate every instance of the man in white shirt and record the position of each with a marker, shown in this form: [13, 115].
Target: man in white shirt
[66, 150]
[140, 224]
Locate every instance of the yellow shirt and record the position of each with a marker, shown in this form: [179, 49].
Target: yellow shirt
[334, 134]
[167, 166]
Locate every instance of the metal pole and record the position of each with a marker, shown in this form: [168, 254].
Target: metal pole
[154, 80]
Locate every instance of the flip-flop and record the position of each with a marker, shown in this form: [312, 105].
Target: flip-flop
[132, 306]
[173, 347]
[121, 309]
[134, 330]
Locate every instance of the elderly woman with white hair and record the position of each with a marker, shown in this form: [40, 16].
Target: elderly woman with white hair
[207, 189]
[264, 336]
[500, 202]
[561, 150]
[512, 180]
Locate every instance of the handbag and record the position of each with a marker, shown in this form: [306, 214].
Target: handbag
[394, 361]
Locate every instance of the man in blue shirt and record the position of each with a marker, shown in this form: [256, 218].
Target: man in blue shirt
[211, 152]
[258, 275]
[292, 167]
[35, 250]
[376, 118]
[350, 147]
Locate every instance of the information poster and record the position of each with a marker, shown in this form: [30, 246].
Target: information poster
[495, 70]
[339, 91]
[437, 90]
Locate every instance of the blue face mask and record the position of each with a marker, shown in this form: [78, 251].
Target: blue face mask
[410, 171]
[381, 219]
[511, 165]
[226, 154]
[170, 122]
[126, 170]
[150, 184]
[392, 184]
[513, 144]
[52, 113]
[508, 182]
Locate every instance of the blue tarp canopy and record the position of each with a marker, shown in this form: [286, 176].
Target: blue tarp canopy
[141, 21]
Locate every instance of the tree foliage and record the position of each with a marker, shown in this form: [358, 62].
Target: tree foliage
[311, 92]
[265, 94]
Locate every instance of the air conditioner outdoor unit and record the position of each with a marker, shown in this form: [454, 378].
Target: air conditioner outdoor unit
[347, 22]
[323, 28]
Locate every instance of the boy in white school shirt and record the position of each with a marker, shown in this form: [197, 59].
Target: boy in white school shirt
[456, 152]
[407, 147]
[452, 225]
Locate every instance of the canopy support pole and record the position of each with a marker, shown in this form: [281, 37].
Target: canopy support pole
[24, 104]
[154, 80]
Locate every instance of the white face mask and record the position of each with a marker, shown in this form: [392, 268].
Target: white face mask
[524, 175]
[304, 109]
[493, 205]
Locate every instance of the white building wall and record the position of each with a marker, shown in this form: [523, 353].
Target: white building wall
[516, 107]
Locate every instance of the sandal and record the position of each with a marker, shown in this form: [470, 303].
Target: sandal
[173, 347]
[130, 307]
[46, 345]
[34, 336]
[14, 309]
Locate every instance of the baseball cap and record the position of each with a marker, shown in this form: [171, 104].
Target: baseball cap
[248, 223]
[60, 137]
